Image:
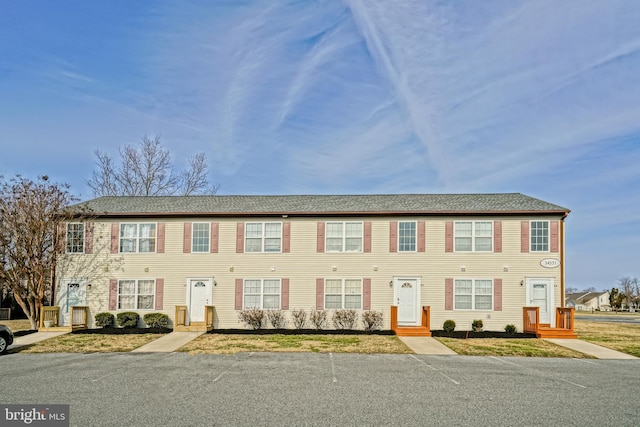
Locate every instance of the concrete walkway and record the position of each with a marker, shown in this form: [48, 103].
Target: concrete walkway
[168, 343]
[34, 338]
[590, 349]
[427, 345]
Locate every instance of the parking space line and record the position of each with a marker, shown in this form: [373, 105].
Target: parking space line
[333, 368]
[434, 369]
[231, 367]
[538, 371]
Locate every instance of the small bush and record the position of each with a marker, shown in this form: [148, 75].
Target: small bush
[254, 318]
[156, 320]
[344, 319]
[477, 325]
[318, 318]
[510, 329]
[372, 320]
[449, 325]
[299, 317]
[128, 319]
[105, 319]
[276, 318]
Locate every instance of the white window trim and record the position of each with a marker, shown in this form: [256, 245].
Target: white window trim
[262, 294]
[66, 244]
[344, 236]
[137, 238]
[473, 237]
[531, 249]
[262, 238]
[343, 294]
[136, 294]
[473, 295]
[415, 237]
[208, 250]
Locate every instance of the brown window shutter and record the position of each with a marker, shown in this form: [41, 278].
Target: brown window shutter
[524, 236]
[113, 294]
[553, 238]
[448, 294]
[393, 236]
[161, 234]
[115, 236]
[320, 245]
[319, 294]
[215, 231]
[421, 236]
[367, 237]
[240, 238]
[497, 236]
[186, 238]
[159, 293]
[366, 294]
[284, 294]
[286, 237]
[239, 283]
[448, 236]
[497, 294]
[88, 238]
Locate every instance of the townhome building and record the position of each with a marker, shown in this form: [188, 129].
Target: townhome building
[445, 256]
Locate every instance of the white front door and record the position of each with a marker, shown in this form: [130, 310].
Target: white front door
[199, 296]
[407, 298]
[72, 292]
[540, 294]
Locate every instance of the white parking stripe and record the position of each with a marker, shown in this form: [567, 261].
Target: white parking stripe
[434, 369]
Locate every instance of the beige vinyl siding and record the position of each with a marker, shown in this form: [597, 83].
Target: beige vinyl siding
[303, 265]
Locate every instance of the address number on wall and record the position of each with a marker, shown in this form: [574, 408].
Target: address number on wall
[550, 263]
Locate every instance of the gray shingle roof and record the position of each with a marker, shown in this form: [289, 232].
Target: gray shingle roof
[401, 204]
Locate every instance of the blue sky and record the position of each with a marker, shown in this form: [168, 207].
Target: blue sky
[345, 97]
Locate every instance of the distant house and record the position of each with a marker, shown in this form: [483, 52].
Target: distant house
[416, 258]
[589, 301]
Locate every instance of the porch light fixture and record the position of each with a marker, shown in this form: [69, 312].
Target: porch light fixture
[521, 282]
[88, 286]
[391, 283]
[215, 283]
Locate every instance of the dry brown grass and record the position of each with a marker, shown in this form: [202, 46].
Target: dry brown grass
[90, 343]
[525, 347]
[226, 344]
[17, 325]
[624, 337]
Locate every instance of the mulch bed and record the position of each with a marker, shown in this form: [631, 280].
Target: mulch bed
[297, 332]
[483, 334]
[123, 331]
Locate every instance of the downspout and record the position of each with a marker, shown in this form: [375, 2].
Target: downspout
[562, 258]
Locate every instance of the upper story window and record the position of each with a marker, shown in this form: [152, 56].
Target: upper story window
[473, 236]
[136, 294]
[75, 238]
[539, 236]
[262, 294]
[263, 237]
[344, 236]
[407, 235]
[137, 237]
[473, 294]
[343, 294]
[200, 237]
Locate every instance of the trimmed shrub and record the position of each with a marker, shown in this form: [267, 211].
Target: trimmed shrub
[510, 329]
[254, 318]
[276, 318]
[299, 317]
[156, 320]
[318, 318]
[105, 319]
[477, 325]
[344, 319]
[128, 319]
[449, 325]
[372, 320]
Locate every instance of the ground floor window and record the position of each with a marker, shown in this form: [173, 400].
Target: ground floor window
[343, 294]
[473, 294]
[262, 293]
[136, 294]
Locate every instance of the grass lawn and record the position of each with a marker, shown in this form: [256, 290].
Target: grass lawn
[90, 343]
[17, 325]
[226, 344]
[624, 337]
[526, 347]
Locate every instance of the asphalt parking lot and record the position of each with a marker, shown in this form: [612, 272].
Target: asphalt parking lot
[177, 389]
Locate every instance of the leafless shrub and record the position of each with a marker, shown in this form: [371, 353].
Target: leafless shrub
[372, 320]
[276, 318]
[299, 317]
[254, 318]
[318, 318]
[344, 319]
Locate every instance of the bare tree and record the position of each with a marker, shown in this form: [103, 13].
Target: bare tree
[147, 170]
[29, 211]
[629, 288]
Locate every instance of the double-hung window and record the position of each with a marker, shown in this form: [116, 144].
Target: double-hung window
[263, 237]
[136, 294]
[137, 237]
[473, 236]
[343, 294]
[539, 236]
[200, 237]
[473, 294]
[344, 236]
[75, 238]
[407, 236]
[262, 293]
